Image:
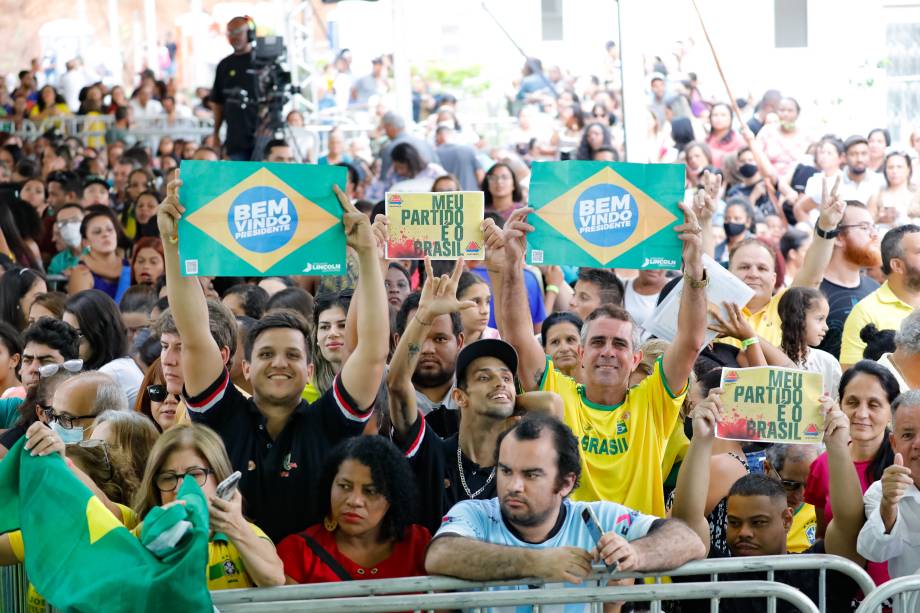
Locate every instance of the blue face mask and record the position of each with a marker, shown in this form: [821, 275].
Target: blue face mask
[72, 435]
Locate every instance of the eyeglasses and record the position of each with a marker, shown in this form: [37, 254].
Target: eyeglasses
[864, 226]
[788, 484]
[157, 392]
[169, 481]
[66, 421]
[94, 443]
[71, 366]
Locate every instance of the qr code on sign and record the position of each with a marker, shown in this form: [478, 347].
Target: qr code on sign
[536, 256]
[191, 267]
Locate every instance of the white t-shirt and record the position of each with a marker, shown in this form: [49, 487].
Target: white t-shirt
[824, 363]
[849, 190]
[638, 305]
[885, 361]
[127, 375]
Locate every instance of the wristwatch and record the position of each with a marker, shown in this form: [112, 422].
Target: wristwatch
[828, 234]
[703, 282]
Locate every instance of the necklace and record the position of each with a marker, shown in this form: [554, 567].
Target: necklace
[463, 478]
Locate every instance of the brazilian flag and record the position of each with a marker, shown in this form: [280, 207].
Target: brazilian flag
[82, 559]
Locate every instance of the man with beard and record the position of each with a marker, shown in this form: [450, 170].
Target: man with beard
[856, 247]
[532, 529]
[859, 183]
[894, 300]
[461, 465]
[433, 372]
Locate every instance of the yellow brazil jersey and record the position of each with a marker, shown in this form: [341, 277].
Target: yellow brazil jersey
[766, 323]
[225, 565]
[675, 451]
[622, 446]
[802, 533]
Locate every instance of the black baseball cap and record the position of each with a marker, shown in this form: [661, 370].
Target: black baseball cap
[487, 347]
[91, 179]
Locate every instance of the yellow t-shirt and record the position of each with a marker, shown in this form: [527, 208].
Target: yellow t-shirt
[881, 308]
[802, 533]
[766, 323]
[226, 570]
[622, 446]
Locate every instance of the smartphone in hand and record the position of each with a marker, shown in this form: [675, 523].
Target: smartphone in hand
[226, 487]
[594, 527]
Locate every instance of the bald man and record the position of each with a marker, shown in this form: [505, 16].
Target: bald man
[77, 401]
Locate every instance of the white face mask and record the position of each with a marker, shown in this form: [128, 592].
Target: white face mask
[72, 435]
[70, 234]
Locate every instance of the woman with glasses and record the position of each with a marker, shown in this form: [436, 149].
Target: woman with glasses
[368, 496]
[501, 192]
[866, 393]
[103, 339]
[239, 553]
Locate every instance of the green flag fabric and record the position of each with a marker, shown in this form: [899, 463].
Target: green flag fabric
[605, 214]
[82, 559]
[255, 219]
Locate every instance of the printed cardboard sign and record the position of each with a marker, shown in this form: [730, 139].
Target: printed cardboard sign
[440, 225]
[261, 219]
[768, 404]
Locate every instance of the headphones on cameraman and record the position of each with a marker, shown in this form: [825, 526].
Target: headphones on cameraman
[251, 28]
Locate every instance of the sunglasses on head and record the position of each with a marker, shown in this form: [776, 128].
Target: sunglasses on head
[71, 366]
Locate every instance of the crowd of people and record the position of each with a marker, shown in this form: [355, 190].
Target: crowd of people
[458, 418]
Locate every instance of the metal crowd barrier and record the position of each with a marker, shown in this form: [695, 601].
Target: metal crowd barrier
[537, 598]
[900, 590]
[391, 594]
[14, 589]
[712, 568]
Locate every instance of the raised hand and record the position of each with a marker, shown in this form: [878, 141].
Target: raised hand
[381, 228]
[707, 414]
[170, 211]
[733, 325]
[895, 481]
[836, 424]
[832, 206]
[516, 231]
[439, 294]
[358, 233]
[690, 232]
[494, 239]
[705, 199]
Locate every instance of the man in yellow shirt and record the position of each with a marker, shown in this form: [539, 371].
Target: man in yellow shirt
[623, 431]
[789, 465]
[894, 300]
[754, 263]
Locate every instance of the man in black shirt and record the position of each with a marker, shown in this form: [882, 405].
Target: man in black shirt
[275, 438]
[758, 515]
[233, 74]
[856, 246]
[461, 466]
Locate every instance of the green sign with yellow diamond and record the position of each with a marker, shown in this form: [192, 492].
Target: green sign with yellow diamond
[605, 214]
[254, 219]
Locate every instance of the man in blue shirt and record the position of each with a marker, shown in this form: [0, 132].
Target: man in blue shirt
[533, 530]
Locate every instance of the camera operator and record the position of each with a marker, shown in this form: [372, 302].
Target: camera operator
[232, 78]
